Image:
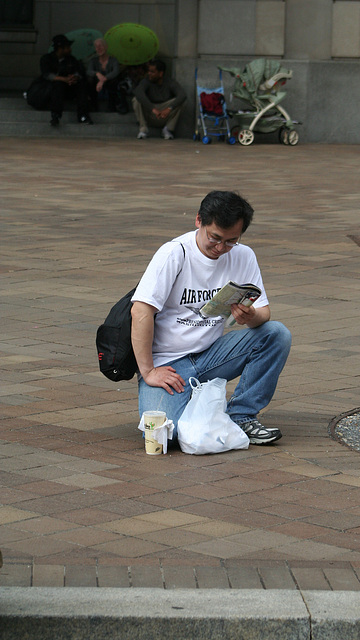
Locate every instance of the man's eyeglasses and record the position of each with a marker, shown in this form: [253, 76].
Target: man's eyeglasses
[227, 243]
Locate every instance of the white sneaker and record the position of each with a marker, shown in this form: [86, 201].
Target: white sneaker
[142, 135]
[258, 434]
[166, 134]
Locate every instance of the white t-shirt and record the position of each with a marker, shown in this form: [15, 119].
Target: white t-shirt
[178, 286]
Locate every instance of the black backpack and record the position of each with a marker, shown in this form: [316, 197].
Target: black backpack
[39, 93]
[113, 342]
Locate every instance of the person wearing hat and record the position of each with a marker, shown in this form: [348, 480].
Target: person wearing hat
[68, 80]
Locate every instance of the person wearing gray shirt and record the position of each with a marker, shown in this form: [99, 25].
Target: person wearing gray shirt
[103, 74]
[158, 101]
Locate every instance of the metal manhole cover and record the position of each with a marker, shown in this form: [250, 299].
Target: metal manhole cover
[355, 239]
[345, 428]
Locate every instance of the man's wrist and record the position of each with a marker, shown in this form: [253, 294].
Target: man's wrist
[146, 372]
[145, 369]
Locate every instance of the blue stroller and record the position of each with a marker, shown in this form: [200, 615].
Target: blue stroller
[211, 114]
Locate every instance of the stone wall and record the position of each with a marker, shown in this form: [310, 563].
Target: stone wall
[318, 39]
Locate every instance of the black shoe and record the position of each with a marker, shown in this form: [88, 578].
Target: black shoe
[85, 120]
[55, 120]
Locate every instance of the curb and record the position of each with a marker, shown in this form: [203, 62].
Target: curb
[147, 614]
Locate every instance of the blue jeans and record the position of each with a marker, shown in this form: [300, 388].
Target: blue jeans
[257, 355]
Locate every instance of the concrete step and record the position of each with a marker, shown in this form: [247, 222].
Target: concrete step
[18, 119]
[17, 103]
[31, 115]
[71, 130]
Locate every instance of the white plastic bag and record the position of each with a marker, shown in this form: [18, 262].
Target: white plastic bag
[204, 427]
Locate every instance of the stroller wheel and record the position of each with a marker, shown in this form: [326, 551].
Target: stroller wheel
[246, 137]
[284, 135]
[206, 140]
[231, 140]
[293, 137]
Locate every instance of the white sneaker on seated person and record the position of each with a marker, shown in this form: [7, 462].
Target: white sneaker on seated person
[143, 133]
[167, 134]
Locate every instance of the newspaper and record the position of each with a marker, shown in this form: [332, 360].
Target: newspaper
[231, 293]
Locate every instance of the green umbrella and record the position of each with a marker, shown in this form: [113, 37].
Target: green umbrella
[131, 43]
[83, 45]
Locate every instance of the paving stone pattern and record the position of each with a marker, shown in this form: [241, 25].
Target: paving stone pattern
[81, 503]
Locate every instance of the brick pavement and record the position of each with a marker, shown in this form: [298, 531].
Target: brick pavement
[81, 504]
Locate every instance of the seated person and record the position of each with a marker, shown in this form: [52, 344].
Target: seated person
[68, 81]
[158, 101]
[103, 73]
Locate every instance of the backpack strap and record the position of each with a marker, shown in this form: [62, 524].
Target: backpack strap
[184, 252]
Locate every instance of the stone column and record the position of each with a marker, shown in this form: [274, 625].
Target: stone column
[185, 62]
[186, 28]
[308, 29]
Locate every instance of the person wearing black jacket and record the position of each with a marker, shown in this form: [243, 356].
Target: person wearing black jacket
[68, 80]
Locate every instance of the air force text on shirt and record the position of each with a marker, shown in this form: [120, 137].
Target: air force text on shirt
[191, 296]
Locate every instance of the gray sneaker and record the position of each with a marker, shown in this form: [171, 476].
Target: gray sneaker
[143, 133]
[166, 134]
[258, 434]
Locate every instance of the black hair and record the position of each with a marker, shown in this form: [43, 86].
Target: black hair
[225, 208]
[60, 42]
[158, 64]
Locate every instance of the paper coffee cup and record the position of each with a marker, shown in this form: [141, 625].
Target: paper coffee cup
[153, 419]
